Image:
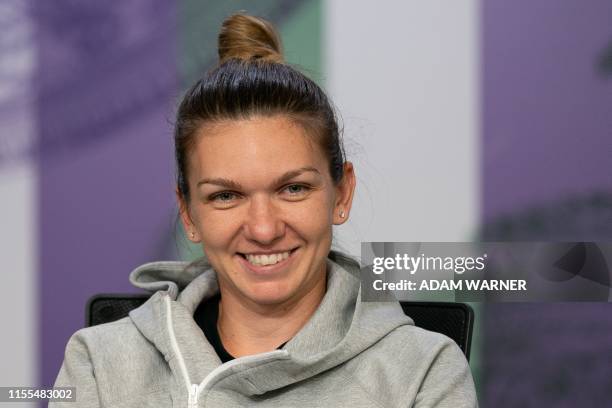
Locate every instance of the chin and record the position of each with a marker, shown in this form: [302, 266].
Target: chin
[269, 293]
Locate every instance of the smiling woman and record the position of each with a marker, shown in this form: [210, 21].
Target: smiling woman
[272, 316]
[265, 224]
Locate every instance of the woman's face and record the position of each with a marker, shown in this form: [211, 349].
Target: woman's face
[262, 205]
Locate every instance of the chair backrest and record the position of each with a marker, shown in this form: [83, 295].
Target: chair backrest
[107, 307]
[454, 320]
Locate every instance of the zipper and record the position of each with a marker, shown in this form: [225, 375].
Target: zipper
[195, 389]
[174, 344]
[193, 396]
[192, 389]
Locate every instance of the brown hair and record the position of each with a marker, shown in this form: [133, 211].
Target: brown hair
[251, 79]
[246, 37]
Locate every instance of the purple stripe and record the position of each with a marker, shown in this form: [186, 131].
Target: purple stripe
[106, 83]
[547, 144]
[546, 107]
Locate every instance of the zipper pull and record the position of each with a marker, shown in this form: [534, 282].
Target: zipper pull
[193, 396]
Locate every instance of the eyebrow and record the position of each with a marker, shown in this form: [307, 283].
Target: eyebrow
[294, 173]
[223, 182]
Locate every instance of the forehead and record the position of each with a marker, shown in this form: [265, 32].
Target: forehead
[265, 146]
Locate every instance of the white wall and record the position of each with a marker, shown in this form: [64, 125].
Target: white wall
[404, 76]
[18, 202]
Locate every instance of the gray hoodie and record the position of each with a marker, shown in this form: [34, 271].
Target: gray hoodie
[350, 353]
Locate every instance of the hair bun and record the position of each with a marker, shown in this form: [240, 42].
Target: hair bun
[246, 37]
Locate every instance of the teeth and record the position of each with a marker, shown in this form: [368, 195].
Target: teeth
[267, 259]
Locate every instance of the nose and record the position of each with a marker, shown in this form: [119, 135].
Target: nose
[263, 224]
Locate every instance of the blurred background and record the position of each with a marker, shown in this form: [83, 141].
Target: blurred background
[465, 119]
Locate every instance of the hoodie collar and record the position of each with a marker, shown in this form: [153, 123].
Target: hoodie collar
[341, 327]
[168, 276]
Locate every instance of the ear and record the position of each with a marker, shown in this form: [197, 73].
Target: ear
[188, 224]
[344, 195]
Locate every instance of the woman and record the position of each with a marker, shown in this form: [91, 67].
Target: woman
[273, 318]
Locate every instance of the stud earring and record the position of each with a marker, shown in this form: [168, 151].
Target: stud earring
[342, 214]
[192, 235]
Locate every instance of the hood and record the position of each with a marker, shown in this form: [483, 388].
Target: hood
[341, 328]
[169, 276]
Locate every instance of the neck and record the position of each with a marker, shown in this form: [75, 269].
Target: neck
[246, 328]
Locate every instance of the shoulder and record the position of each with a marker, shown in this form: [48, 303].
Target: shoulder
[414, 349]
[421, 341]
[108, 362]
[107, 334]
[119, 357]
[108, 344]
[407, 361]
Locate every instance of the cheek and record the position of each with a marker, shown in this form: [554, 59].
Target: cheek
[217, 229]
[312, 218]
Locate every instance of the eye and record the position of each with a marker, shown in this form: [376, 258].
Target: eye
[223, 197]
[296, 190]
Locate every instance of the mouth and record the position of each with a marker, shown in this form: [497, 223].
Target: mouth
[267, 261]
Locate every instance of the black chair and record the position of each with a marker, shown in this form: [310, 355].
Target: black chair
[455, 320]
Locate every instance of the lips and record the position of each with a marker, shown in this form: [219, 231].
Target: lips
[268, 262]
[269, 259]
